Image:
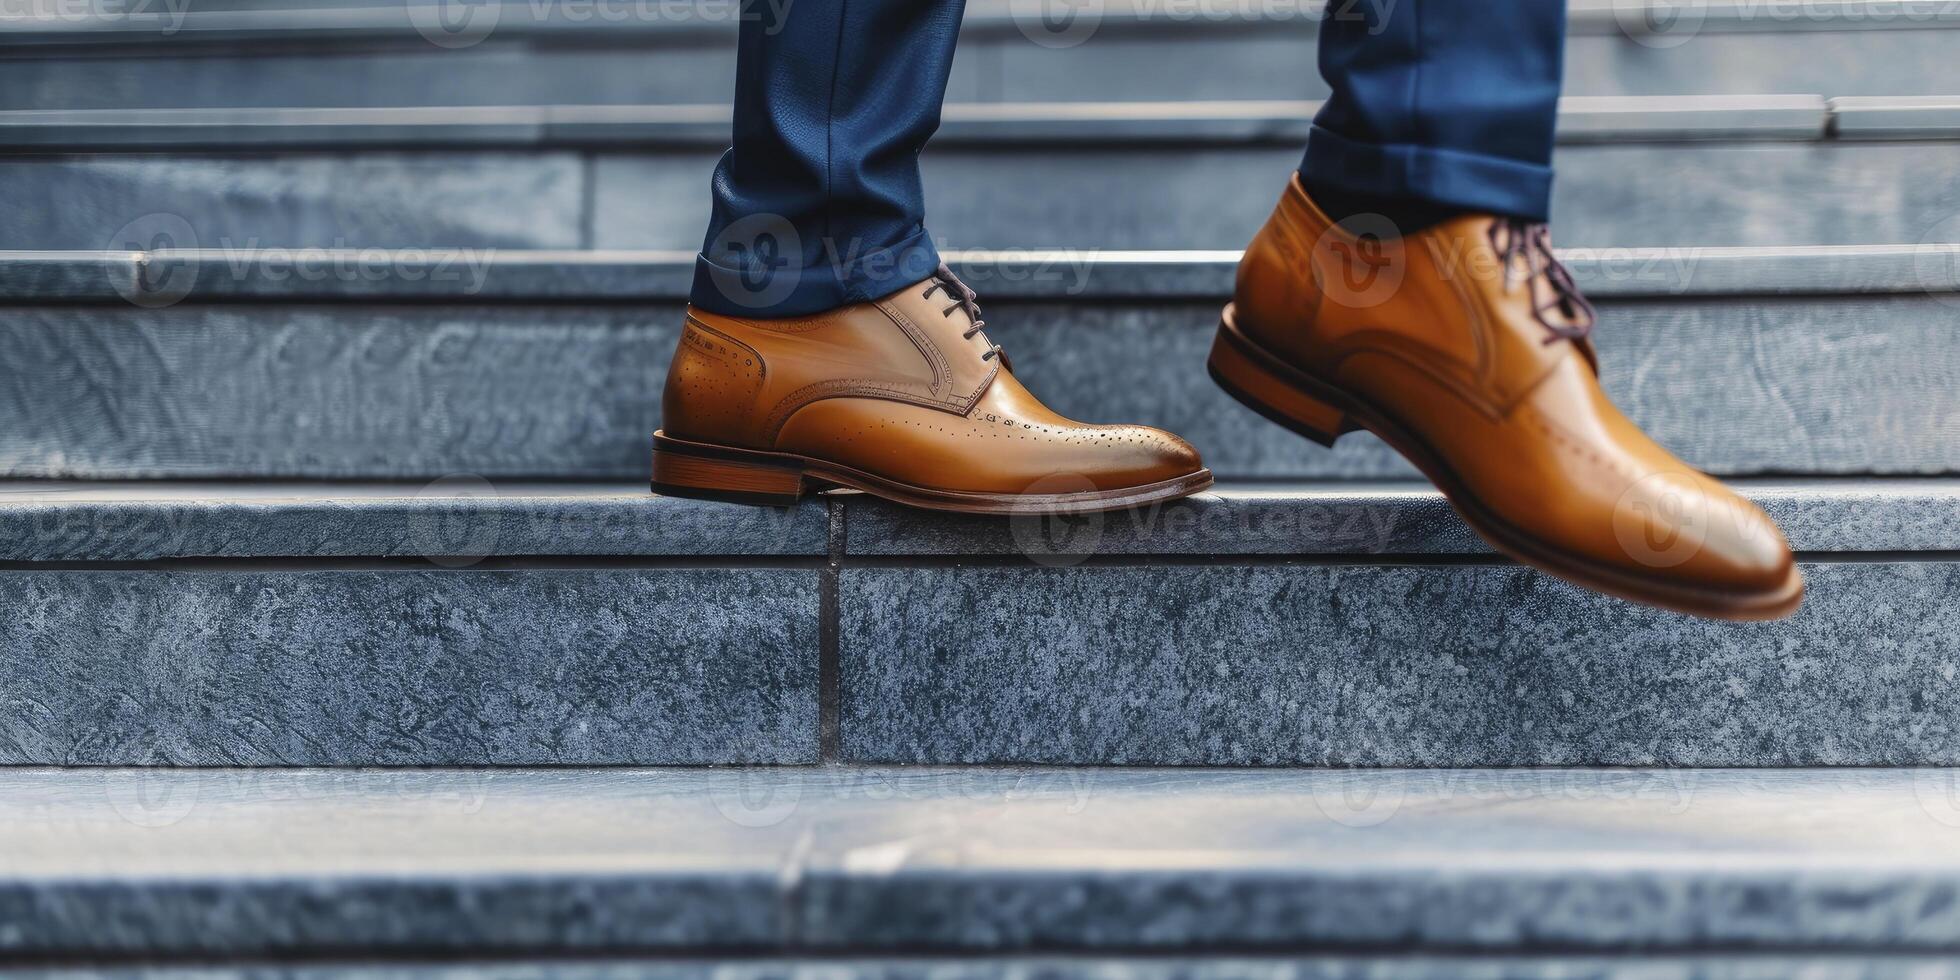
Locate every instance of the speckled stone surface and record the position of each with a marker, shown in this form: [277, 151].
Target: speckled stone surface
[1012, 275]
[1336, 518]
[26, 277]
[1165, 57]
[1227, 64]
[1208, 196]
[1388, 666]
[1239, 966]
[1206, 182]
[566, 391]
[668, 126]
[450, 521]
[1187, 192]
[505, 69]
[351, 866]
[1733, 386]
[241, 862]
[484, 198]
[1412, 860]
[408, 666]
[453, 520]
[336, 391]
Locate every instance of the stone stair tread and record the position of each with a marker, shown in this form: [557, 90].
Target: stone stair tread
[479, 275]
[1156, 965]
[1587, 119]
[364, 21]
[341, 55]
[106, 521]
[229, 862]
[454, 516]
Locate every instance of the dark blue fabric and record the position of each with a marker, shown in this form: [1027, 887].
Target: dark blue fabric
[818, 204]
[1447, 101]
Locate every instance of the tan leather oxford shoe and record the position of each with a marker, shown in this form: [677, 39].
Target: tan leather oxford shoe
[904, 398]
[1464, 346]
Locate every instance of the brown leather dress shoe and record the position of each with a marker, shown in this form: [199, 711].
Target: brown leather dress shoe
[1464, 346]
[904, 398]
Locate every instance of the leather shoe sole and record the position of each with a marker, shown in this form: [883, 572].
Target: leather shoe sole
[710, 472]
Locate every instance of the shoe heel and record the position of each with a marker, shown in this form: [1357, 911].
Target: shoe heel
[1273, 389]
[740, 476]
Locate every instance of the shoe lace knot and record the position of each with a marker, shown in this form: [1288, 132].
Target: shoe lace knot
[964, 298]
[1529, 244]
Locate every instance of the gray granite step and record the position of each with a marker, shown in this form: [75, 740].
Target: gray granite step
[392, 626]
[1297, 873]
[463, 521]
[1665, 171]
[1022, 966]
[470, 622]
[1375, 634]
[187, 54]
[416, 364]
[1723, 118]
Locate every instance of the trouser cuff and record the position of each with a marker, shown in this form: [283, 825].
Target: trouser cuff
[770, 286]
[1452, 178]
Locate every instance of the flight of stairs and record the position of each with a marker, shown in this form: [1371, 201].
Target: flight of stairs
[342, 638]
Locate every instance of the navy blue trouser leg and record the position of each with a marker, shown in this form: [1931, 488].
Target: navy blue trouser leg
[818, 204]
[1447, 102]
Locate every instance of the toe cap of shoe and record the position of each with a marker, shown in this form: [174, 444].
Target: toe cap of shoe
[1711, 542]
[1134, 455]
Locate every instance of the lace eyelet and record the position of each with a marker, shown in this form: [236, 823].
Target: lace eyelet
[1531, 242]
[944, 280]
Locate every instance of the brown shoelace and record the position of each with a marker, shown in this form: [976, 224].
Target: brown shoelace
[963, 299]
[1531, 241]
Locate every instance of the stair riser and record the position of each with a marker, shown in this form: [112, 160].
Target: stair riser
[457, 914]
[409, 666]
[1238, 966]
[397, 73]
[1437, 665]
[1273, 64]
[1276, 62]
[1384, 666]
[1605, 195]
[478, 198]
[1797, 385]
[1134, 197]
